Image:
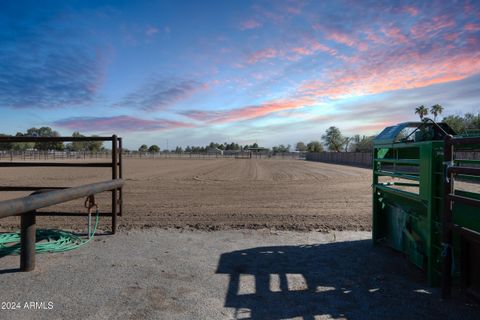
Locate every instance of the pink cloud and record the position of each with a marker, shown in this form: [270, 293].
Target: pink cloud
[362, 46]
[407, 70]
[411, 10]
[268, 53]
[451, 36]
[426, 28]
[395, 34]
[373, 36]
[472, 27]
[342, 38]
[247, 112]
[250, 24]
[348, 39]
[119, 123]
[313, 47]
[374, 127]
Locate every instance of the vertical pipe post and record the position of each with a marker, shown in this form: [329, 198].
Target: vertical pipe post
[114, 176]
[120, 174]
[27, 241]
[447, 221]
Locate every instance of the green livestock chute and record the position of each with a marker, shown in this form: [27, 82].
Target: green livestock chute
[419, 210]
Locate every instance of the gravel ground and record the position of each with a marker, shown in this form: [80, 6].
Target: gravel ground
[236, 274]
[217, 194]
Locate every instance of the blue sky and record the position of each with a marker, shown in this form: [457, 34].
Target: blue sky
[199, 71]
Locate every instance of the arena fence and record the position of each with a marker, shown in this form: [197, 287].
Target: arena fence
[362, 159]
[37, 155]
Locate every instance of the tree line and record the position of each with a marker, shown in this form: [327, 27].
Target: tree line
[332, 140]
[233, 146]
[459, 123]
[92, 146]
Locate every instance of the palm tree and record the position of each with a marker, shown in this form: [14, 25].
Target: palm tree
[436, 110]
[421, 111]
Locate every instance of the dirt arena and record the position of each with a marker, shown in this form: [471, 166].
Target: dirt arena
[216, 194]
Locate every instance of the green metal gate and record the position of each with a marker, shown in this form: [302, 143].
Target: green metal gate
[408, 195]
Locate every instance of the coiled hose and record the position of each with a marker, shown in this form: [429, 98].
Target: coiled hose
[47, 240]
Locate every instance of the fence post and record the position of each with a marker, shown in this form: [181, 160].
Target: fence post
[114, 176]
[27, 241]
[120, 175]
[447, 221]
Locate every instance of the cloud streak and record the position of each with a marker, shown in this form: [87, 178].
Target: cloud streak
[121, 123]
[250, 24]
[159, 94]
[264, 54]
[247, 112]
[44, 67]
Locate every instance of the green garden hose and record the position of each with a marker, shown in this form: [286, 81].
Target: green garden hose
[48, 240]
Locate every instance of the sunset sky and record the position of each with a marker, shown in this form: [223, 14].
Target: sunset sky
[199, 71]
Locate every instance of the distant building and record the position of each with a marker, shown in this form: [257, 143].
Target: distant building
[214, 151]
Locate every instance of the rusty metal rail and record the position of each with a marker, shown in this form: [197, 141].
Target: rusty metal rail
[27, 206]
[50, 198]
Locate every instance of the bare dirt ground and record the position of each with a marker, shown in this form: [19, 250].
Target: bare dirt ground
[217, 194]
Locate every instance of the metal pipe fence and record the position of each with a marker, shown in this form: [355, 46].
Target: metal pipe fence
[37, 158]
[37, 155]
[45, 196]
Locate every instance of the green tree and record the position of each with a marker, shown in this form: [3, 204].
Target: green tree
[5, 145]
[436, 110]
[77, 145]
[362, 144]
[281, 149]
[334, 139]
[45, 132]
[93, 146]
[421, 111]
[460, 124]
[143, 148]
[22, 146]
[300, 146]
[154, 149]
[314, 146]
[457, 123]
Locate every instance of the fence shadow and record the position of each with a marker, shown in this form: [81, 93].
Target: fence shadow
[348, 280]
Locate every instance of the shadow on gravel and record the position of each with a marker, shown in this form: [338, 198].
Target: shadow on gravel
[349, 280]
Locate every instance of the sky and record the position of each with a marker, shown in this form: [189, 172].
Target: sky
[273, 72]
